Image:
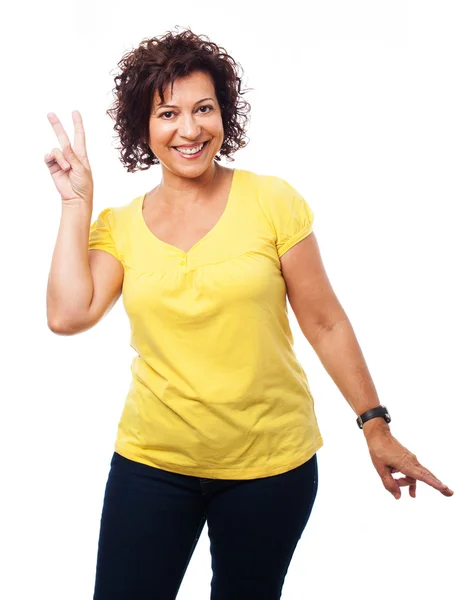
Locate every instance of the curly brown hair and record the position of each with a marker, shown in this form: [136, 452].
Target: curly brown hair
[154, 64]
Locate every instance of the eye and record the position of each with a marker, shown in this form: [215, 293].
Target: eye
[170, 112]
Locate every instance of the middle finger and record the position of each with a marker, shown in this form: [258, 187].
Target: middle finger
[411, 482]
[59, 130]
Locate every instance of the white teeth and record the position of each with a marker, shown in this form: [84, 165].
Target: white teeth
[190, 150]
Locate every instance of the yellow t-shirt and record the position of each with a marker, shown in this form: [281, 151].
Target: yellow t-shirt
[216, 388]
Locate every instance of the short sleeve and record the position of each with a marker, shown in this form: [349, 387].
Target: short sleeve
[100, 234]
[292, 217]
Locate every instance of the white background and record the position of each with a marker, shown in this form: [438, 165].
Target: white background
[362, 106]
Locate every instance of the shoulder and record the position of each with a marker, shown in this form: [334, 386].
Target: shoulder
[124, 211]
[284, 207]
[120, 214]
[264, 182]
[273, 192]
[115, 219]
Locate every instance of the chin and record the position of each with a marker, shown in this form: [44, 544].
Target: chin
[190, 171]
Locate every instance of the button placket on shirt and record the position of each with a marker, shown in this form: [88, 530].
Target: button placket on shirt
[183, 262]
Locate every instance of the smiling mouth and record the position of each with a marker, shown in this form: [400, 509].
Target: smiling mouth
[190, 148]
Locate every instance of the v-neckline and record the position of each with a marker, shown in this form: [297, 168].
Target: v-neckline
[223, 216]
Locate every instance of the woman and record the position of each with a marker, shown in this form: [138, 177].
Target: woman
[219, 422]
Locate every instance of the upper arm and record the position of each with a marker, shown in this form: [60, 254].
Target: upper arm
[106, 267]
[309, 290]
[107, 273]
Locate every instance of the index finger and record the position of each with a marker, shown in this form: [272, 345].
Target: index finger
[59, 130]
[417, 471]
[79, 141]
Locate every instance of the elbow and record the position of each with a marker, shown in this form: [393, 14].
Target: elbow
[58, 327]
[315, 330]
[68, 326]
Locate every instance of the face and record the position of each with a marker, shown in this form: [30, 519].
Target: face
[190, 117]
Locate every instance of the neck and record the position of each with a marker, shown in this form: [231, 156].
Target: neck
[178, 191]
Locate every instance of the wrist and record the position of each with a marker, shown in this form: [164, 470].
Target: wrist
[78, 204]
[374, 426]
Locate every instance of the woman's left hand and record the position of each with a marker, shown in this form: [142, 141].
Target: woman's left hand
[389, 456]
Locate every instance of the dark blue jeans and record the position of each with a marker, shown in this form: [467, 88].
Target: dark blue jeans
[152, 520]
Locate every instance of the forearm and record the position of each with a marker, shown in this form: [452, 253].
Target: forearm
[342, 358]
[70, 284]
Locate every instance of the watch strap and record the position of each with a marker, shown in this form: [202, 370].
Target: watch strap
[379, 411]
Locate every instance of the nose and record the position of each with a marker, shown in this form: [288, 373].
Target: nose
[189, 128]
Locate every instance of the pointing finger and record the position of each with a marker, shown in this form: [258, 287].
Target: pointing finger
[79, 140]
[414, 469]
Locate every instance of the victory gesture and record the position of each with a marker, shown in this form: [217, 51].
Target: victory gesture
[69, 167]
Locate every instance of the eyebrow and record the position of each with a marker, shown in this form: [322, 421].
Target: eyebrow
[174, 106]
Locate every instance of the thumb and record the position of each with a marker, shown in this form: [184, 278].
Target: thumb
[70, 156]
[390, 484]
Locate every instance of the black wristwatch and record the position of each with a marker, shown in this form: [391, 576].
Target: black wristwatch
[379, 411]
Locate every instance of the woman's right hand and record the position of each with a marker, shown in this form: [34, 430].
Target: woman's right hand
[69, 167]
